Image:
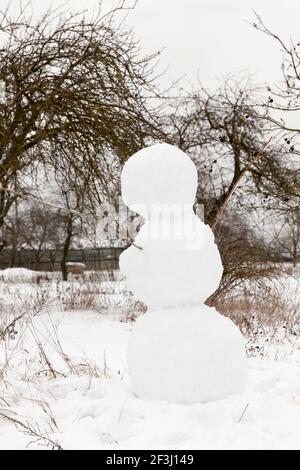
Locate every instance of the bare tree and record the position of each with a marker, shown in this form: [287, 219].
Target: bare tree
[286, 239]
[242, 172]
[229, 140]
[76, 91]
[284, 97]
[78, 197]
[34, 228]
[72, 227]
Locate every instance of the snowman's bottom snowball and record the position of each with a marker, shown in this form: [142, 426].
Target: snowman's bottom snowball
[186, 355]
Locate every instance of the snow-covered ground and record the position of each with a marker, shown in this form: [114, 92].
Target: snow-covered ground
[63, 382]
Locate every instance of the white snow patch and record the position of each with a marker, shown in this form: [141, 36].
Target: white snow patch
[18, 274]
[103, 413]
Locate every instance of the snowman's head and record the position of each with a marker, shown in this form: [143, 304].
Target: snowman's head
[159, 174]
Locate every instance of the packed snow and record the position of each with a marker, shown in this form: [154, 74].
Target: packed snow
[207, 363]
[181, 350]
[18, 274]
[159, 174]
[165, 273]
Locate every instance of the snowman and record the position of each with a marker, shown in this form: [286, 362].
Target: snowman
[180, 350]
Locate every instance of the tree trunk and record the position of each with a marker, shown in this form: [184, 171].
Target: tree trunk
[66, 247]
[52, 258]
[12, 262]
[295, 258]
[3, 242]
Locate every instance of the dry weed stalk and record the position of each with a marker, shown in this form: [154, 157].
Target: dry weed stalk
[77, 367]
[33, 430]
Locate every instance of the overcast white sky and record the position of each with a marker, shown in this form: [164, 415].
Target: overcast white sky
[212, 38]
[209, 38]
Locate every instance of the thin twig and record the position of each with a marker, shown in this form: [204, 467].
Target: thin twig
[244, 411]
[31, 431]
[39, 201]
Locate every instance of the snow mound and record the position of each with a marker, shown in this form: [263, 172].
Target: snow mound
[74, 264]
[18, 274]
[186, 357]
